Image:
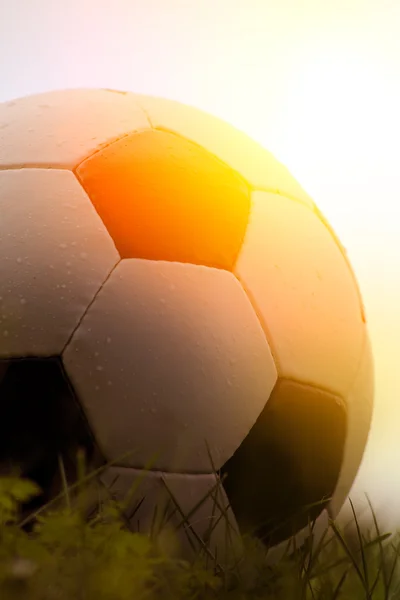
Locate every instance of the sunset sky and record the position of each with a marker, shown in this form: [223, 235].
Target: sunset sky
[315, 82]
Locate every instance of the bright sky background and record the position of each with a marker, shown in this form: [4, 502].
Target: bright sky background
[317, 82]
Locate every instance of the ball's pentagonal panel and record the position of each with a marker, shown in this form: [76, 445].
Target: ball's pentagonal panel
[305, 296]
[41, 420]
[55, 254]
[169, 356]
[157, 489]
[258, 166]
[319, 527]
[164, 198]
[61, 128]
[296, 449]
[359, 402]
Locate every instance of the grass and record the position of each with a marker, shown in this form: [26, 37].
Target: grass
[80, 546]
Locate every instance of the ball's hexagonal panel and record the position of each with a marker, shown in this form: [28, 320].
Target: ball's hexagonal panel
[359, 402]
[253, 162]
[175, 495]
[194, 367]
[303, 292]
[296, 449]
[55, 254]
[61, 128]
[164, 198]
[41, 420]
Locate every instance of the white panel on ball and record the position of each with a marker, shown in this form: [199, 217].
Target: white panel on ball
[304, 293]
[61, 128]
[170, 355]
[55, 255]
[199, 497]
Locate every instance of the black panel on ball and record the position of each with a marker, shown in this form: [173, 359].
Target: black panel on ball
[290, 459]
[41, 420]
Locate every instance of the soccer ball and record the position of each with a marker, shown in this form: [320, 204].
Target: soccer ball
[168, 288]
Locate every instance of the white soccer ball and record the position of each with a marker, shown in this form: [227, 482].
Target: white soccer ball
[165, 282]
